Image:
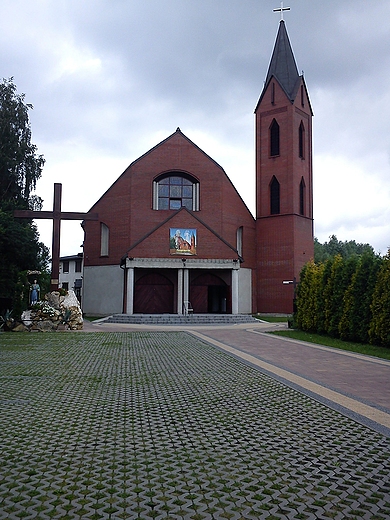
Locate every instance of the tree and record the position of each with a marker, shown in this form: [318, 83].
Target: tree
[322, 297]
[327, 250]
[308, 296]
[357, 314]
[340, 274]
[20, 168]
[379, 332]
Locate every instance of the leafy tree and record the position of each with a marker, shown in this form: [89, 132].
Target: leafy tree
[327, 250]
[379, 332]
[20, 168]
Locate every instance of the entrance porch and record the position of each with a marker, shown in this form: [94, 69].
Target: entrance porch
[177, 286]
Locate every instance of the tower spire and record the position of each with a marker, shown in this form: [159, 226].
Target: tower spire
[283, 66]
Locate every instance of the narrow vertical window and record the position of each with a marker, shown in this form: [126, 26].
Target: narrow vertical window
[302, 188]
[273, 93]
[275, 196]
[274, 138]
[155, 195]
[302, 96]
[104, 239]
[301, 141]
[239, 241]
[77, 266]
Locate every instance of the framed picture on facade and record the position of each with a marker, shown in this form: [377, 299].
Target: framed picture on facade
[182, 241]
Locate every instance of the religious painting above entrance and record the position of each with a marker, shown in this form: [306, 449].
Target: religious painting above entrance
[182, 241]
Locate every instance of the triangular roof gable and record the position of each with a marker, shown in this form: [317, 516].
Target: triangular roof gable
[290, 96]
[180, 133]
[293, 95]
[153, 230]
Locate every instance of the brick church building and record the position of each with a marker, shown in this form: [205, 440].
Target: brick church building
[174, 234]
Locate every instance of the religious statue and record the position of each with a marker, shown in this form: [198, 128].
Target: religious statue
[35, 290]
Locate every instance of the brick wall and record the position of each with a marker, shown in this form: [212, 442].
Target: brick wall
[284, 241]
[126, 208]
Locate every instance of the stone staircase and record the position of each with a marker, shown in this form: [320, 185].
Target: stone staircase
[177, 319]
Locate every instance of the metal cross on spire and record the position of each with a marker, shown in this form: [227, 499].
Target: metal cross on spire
[281, 9]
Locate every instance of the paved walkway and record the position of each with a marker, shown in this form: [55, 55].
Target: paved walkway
[352, 383]
[163, 425]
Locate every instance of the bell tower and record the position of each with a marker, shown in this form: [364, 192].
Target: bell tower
[284, 180]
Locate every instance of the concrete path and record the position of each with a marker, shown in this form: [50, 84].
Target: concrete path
[356, 385]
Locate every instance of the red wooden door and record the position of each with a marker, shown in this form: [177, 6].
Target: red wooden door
[153, 294]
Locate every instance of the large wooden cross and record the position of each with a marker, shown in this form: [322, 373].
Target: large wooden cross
[56, 215]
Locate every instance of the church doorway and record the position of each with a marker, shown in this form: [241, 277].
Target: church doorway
[209, 293]
[153, 294]
[217, 299]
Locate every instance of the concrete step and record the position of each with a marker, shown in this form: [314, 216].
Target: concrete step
[177, 319]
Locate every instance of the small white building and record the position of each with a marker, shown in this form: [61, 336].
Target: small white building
[71, 274]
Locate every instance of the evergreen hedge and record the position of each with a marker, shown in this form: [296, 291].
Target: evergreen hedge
[347, 298]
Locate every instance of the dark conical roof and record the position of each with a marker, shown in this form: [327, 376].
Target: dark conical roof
[282, 65]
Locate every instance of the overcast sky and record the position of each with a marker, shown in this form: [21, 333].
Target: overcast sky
[109, 79]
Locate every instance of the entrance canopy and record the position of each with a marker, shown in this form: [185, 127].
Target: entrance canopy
[206, 285]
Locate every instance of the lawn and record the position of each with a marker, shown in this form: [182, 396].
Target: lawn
[272, 319]
[318, 339]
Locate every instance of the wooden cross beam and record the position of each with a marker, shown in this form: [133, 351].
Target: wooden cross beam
[281, 9]
[56, 215]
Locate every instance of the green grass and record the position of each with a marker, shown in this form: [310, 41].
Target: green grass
[272, 319]
[318, 339]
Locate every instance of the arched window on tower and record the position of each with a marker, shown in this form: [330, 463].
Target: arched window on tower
[302, 189]
[274, 139]
[301, 141]
[176, 190]
[275, 196]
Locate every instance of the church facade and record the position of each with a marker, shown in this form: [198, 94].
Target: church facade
[174, 236]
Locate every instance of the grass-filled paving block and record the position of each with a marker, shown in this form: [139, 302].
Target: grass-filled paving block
[161, 425]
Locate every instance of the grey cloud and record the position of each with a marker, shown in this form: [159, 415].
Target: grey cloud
[199, 65]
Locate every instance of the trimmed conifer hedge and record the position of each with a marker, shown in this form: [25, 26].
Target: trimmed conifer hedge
[348, 298]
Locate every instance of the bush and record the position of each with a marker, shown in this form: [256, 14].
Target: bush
[379, 331]
[347, 298]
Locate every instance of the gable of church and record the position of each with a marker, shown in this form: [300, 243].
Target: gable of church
[173, 175]
[183, 235]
